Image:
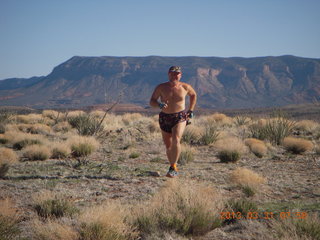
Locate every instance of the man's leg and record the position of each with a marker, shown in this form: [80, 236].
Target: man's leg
[177, 132]
[167, 140]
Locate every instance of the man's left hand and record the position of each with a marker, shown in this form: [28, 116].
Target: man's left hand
[190, 114]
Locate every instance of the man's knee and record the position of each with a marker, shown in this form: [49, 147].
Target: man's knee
[176, 140]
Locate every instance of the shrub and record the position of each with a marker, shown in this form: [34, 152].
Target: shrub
[107, 221]
[82, 146]
[191, 135]
[129, 118]
[227, 156]
[241, 120]
[60, 150]
[297, 145]
[8, 220]
[210, 135]
[182, 207]
[246, 177]
[243, 206]
[186, 155]
[53, 229]
[248, 191]
[219, 118]
[7, 157]
[86, 125]
[37, 152]
[230, 149]
[317, 149]
[62, 127]
[54, 208]
[3, 139]
[307, 126]
[274, 130]
[308, 228]
[134, 155]
[256, 146]
[25, 142]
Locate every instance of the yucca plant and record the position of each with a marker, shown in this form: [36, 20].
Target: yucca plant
[85, 124]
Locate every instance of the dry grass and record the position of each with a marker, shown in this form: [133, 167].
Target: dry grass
[37, 152]
[60, 150]
[230, 149]
[246, 177]
[183, 207]
[7, 157]
[297, 229]
[297, 145]
[256, 146]
[186, 155]
[231, 143]
[220, 118]
[307, 125]
[75, 113]
[62, 127]
[192, 134]
[129, 118]
[9, 219]
[106, 221]
[82, 146]
[37, 128]
[53, 229]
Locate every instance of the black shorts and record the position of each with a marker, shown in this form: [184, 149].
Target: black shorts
[168, 120]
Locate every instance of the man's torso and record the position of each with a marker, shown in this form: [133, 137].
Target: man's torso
[173, 96]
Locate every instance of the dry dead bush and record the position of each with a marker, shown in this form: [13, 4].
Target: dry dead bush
[256, 146]
[82, 145]
[297, 145]
[184, 207]
[246, 177]
[307, 126]
[53, 229]
[106, 221]
[36, 152]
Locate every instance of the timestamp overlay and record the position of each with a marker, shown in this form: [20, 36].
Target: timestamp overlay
[263, 215]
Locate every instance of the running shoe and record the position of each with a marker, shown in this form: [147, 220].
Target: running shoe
[172, 173]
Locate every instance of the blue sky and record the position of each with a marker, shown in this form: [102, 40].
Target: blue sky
[37, 35]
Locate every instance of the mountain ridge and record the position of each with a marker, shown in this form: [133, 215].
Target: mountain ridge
[234, 82]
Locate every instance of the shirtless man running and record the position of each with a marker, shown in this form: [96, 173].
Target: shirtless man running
[170, 98]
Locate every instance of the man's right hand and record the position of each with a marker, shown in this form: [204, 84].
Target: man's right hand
[163, 105]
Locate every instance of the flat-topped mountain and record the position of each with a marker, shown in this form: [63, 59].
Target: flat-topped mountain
[220, 82]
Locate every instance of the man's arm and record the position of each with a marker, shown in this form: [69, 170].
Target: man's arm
[155, 96]
[193, 97]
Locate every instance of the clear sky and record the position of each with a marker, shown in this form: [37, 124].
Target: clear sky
[37, 35]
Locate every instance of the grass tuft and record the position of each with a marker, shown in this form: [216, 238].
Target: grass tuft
[297, 145]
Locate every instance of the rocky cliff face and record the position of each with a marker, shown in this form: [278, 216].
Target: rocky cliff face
[219, 82]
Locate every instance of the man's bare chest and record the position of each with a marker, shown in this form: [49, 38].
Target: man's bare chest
[176, 93]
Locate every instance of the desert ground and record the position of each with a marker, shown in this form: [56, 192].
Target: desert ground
[96, 175]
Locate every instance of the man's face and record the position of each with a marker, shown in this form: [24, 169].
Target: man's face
[174, 76]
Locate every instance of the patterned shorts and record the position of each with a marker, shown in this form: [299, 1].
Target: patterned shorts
[168, 120]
